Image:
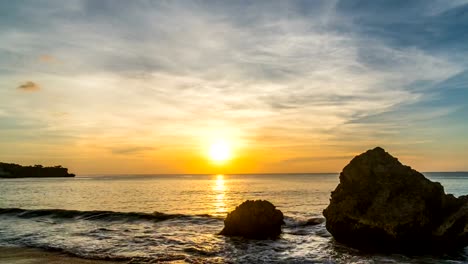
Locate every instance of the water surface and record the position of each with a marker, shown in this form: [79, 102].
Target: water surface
[191, 211]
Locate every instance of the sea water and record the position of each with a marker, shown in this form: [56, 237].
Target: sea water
[149, 218]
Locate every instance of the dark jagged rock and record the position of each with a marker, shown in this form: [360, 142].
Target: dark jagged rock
[381, 204]
[9, 170]
[254, 219]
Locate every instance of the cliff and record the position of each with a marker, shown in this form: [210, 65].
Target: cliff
[9, 170]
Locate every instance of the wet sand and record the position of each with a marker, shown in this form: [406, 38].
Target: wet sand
[16, 255]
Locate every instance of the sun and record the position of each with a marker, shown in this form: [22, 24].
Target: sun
[219, 151]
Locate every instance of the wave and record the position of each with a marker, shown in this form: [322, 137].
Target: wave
[95, 215]
[294, 222]
[40, 214]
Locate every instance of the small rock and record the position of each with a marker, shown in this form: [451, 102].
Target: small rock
[254, 219]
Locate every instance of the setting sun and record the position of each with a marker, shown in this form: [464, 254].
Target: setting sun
[220, 151]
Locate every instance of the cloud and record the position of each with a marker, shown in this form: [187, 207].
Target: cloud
[437, 26]
[47, 58]
[132, 150]
[29, 87]
[316, 159]
[296, 59]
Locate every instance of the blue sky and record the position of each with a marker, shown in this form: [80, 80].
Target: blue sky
[145, 86]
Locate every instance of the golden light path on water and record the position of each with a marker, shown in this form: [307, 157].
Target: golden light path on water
[219, 189]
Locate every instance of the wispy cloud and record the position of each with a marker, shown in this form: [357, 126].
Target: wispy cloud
[131, 150]
[29, 87]
[315, 159]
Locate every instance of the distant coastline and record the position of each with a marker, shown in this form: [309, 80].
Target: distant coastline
[11, 170]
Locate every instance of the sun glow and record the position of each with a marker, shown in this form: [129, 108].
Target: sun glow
[220, 151]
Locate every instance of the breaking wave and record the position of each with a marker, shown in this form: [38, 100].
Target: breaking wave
[94, 215]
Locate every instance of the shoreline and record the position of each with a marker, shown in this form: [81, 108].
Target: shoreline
[25, 255]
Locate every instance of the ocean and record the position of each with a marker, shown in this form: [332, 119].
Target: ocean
[151, 218]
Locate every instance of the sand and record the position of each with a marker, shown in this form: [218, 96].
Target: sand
[15, 255]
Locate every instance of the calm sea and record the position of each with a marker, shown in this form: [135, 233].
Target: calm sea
[113, 217]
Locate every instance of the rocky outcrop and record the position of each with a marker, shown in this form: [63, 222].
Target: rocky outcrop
[254, 219]
[382, 204]
[10, 170]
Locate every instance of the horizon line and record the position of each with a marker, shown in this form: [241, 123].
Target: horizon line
[206, 174]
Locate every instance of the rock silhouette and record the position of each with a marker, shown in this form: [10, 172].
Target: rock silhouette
[254, 219]
[381, 204]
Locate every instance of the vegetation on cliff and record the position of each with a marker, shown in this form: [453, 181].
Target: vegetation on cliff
[10, 170]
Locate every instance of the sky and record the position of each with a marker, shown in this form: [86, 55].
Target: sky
[117, 87]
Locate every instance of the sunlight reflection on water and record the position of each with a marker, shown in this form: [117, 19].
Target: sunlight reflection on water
[219, 189]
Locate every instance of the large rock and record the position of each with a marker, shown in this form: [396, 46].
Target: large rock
[254, 219]
[382, 204]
